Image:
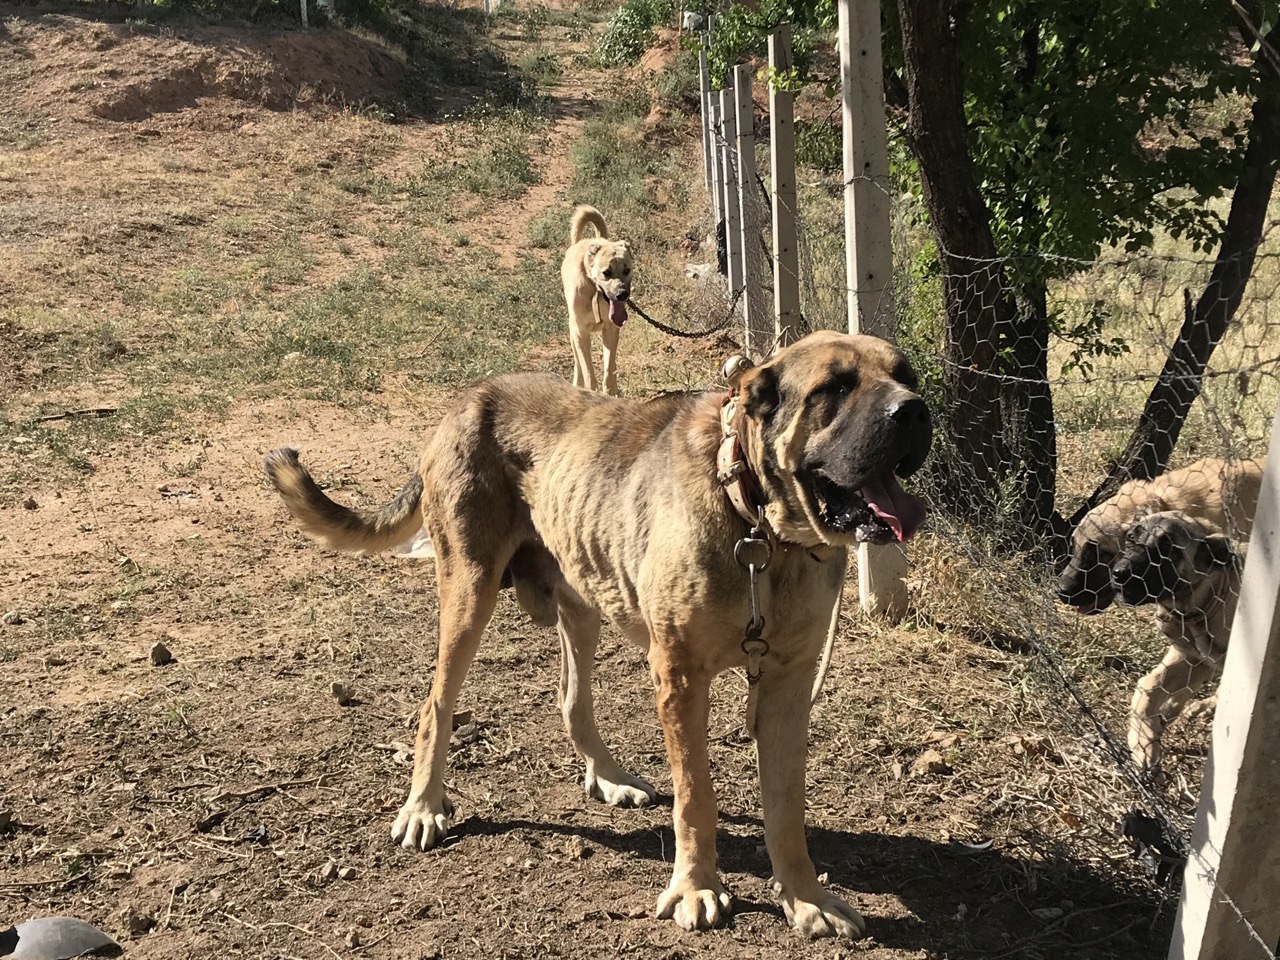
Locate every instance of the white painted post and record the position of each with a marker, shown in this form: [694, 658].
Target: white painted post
[782, 153]
[303, 4]
[868, 248]
[704, 85]
[729, 166]
[759, 320]
[1230, 903]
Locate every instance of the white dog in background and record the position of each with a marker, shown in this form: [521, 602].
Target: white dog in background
[597, 282]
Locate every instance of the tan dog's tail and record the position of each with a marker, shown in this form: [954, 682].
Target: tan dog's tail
[339, 527]
[583, 215]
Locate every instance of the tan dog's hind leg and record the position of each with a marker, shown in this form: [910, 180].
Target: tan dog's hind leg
[609, 334]
[579, 629]
[468, 594]
[695, 898]
[1158, 699]
[782, 731]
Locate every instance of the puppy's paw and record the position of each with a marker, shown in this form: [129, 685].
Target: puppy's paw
[422, 825]
[1198, 709]
[694, 905]
[822, 915]
[618, 788]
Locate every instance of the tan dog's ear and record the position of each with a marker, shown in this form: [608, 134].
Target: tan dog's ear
[760, 392]
[593, 251]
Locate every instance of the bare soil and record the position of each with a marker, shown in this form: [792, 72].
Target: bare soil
[199, 802]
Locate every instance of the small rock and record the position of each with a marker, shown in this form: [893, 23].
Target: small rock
[53, 660]
[329, 871]
[1049, 913]
[6, 821]
[13, 619]
[895, 768]
[580, 851]
[348, 873]
[462, 718]
[353, 939]
[468, 733]
[160, 655]
[342, 692]
[363, 921]
[930, 761]
[134, 922]
[29, 503]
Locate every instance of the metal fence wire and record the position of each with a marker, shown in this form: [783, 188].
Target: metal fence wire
[1117, 598]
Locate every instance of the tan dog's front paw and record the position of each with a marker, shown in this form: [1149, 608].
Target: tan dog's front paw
[692, 905]
[421, 825]
[823, 915]
[619, 788]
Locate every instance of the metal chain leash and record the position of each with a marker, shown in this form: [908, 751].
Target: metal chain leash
[754, 551]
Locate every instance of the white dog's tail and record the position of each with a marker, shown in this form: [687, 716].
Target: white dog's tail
[583, 215]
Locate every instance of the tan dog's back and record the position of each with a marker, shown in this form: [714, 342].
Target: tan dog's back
[1221, 493]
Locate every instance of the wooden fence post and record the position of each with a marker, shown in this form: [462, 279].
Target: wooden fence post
[868, 248]
[704, 85]
[759, 322]
[728, 168]
[782, 165]
[1230, 903]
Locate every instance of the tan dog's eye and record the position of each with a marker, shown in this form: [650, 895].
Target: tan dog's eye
[608, 274]
[840, 386]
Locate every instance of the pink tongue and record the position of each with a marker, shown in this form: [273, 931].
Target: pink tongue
[617, 313]
[899, 509]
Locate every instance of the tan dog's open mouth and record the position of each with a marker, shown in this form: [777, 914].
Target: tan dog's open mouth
[879, 512]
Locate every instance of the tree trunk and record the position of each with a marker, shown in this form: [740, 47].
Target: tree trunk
[1027, 402]
[1160, 423]
[977, 302]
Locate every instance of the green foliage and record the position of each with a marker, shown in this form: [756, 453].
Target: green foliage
[677, 87]
[743, 31]
[1091, 126]
[630, 31]
[819, 145]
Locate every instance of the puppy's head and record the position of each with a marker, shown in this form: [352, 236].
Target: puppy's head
[1086, 582]
[608, 264]
[834, 421]
[1166, 556]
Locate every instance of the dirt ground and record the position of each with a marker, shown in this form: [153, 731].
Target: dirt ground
[169, 201]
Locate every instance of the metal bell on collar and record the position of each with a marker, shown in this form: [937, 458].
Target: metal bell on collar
[735, 367]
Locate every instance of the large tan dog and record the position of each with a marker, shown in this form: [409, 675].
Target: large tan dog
[597, 506]
[1176, 542]
[596, 273]
[1191, 573]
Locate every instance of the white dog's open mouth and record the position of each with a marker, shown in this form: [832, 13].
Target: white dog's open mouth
[617, 311]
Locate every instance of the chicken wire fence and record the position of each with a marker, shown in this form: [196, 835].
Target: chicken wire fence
[1091, 498]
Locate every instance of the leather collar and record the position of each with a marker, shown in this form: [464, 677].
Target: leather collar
[733, 471]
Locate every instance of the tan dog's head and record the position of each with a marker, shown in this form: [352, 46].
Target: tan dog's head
[1167, 557]
[833, 421]
[608, 264]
